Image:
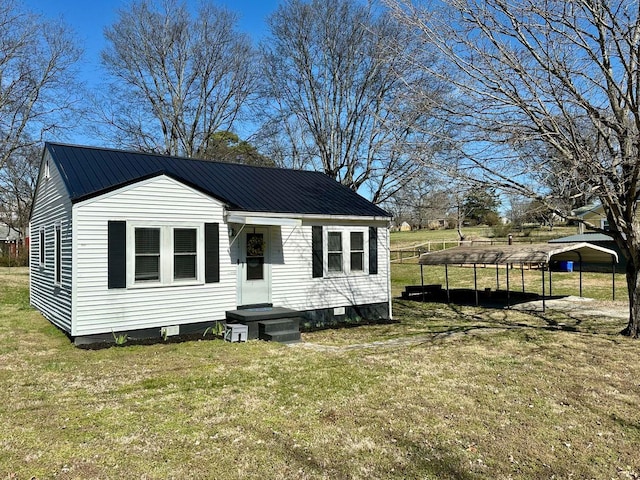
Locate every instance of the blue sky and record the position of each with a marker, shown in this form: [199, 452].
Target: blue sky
[89, 18]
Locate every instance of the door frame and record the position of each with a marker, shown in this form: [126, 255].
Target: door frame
[249, 290]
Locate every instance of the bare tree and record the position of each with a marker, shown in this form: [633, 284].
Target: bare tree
[17, 186]
[38, 97]
[177, 78]
[559, 75]
[337, 94]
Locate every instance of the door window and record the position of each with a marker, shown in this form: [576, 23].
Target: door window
[255, 256]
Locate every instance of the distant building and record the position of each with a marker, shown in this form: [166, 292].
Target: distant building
[10, 241]
[593, 214]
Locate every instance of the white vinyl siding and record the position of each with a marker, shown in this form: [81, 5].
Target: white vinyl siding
[51, 210]
[292, 282]
[163, 203]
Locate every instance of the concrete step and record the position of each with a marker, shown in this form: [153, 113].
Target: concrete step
[260, 313]
[284, 336]
[279, 324]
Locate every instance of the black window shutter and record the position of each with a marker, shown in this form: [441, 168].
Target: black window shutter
[211, 253]
[316, 248]
[117, 254]
[373, 250]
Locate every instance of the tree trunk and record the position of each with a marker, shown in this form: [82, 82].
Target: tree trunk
[633, 286]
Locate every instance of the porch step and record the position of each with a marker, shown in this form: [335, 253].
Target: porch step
[284, 330]
[279, 324]
[253, 314]
[286, 336]
[266, 322]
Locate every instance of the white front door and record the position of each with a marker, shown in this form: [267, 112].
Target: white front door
[254, 268]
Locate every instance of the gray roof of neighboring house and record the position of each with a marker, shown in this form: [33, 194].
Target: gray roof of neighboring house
[91, 171]
[585, 237]
[578, 212]
[8, 232]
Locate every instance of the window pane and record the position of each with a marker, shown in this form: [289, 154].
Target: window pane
[184, 266]
[255, 268]
[147, 240]
[335, 242]
[184, 240]
[58, 255]
[356, 261]
[147, 253]
[148, 267]
[42, 246]
[184, 253]
[335, 262]
[357, 241]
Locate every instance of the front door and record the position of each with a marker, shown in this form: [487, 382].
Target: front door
[254, 269]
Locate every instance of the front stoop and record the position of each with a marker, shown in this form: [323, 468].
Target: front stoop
[283, 330]
[276, 324]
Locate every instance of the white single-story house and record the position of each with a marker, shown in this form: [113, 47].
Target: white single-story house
[146, 245]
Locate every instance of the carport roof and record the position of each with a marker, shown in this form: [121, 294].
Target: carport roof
[529, 253]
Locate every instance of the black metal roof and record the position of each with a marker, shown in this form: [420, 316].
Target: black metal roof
[91, 171]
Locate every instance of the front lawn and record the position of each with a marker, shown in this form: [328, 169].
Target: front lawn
[447, 392]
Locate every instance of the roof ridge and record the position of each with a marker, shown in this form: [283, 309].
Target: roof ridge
[88, 171]
[175, 157]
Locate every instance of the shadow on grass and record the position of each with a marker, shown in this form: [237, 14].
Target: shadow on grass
[492, 313]
[416, 460]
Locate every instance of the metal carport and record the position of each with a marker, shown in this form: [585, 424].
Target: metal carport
[541, 254]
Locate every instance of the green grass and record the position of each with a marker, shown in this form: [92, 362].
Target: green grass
[447, 392]
[401, 240]
[594, 285]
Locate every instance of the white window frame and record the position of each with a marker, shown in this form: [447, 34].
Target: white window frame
[166, 254]
[42, 253]
[57, 254]
[346, 251]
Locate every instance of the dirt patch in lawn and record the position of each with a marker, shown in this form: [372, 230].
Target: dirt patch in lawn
[580, 306]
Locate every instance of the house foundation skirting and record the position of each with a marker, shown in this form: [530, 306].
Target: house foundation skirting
[343, 316]
[309, 320]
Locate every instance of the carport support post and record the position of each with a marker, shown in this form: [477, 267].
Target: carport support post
[508, 299]
[550, 283]
[613, 279]
[475, 282]
[580, 271]
[446, 279]
[422, 280]
[543, 304]
[522, 275]
[497, 277]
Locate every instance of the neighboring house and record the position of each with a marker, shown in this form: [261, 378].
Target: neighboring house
[593, 214]
[405, 227]
[10, 243]
[143, 244]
